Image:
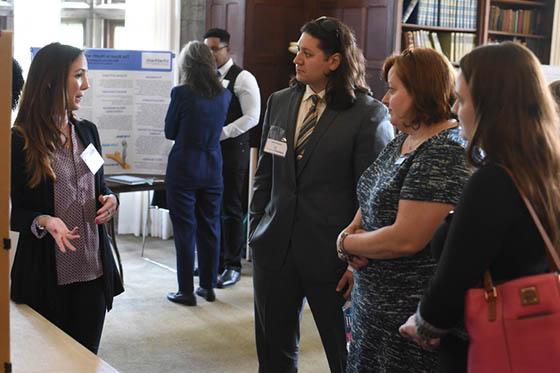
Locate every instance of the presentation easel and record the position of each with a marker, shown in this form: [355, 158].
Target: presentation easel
[5, 113]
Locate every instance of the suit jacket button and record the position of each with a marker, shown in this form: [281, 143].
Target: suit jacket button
[299, 157]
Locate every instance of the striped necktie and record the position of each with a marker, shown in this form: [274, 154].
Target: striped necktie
[307, 127]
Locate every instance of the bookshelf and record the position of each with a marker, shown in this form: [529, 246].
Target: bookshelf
[456, 26]
[523, 21]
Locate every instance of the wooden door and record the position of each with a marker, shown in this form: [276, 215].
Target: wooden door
[270, 27]
[229, 15]
[5, 113]
[373, 22]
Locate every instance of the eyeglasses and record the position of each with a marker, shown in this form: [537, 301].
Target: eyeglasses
[217, 49]
[328, 25]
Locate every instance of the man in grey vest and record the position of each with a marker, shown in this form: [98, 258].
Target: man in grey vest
[243, 114]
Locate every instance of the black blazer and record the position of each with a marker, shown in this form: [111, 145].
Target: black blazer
[304, 204]
[34, 279]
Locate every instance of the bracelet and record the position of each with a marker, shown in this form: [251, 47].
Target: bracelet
[342, 254]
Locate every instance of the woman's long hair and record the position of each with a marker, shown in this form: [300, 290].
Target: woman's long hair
[42, 108]
[517, 125]
[350, 76]
[197, 69]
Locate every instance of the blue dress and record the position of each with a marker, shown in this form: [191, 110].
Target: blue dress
[194, 182]
[386, 292]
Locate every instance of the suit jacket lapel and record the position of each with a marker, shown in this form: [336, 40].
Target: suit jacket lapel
[324, 123]
[293, 110]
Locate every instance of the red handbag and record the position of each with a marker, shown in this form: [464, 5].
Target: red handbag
[515, 327]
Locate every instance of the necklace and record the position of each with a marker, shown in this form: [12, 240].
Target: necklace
[409, 144]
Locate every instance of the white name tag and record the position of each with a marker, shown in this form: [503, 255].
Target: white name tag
[93, 160]
[275, 147]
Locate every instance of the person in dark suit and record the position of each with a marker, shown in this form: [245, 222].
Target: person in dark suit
[243, 114]
[63, 266]
[193, 180]
[318, 137]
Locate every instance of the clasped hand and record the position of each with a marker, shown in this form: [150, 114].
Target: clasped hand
[356, 261]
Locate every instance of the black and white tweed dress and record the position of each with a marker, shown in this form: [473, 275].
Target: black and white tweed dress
[387, 292]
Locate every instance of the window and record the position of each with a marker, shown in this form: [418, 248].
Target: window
[94, 23]
[6, 15]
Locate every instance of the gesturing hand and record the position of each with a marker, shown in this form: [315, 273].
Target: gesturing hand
[61, 234]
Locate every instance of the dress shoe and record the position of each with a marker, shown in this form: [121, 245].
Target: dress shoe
[207, 294]
[228, 277]
[179, 297]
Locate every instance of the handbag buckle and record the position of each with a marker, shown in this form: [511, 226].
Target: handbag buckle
[491, 295]
[529, 295]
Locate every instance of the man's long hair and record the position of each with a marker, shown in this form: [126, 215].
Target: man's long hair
[350, 76]
[197, 69]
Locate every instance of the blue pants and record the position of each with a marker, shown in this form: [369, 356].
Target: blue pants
[195, 214]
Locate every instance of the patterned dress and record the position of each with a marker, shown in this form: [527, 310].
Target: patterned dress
[387, 292]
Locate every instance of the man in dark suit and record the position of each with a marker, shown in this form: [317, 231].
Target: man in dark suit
[244, 112]
[318, 137]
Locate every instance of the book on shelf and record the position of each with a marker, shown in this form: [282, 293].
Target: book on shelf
[408, 10]
[435, 42]
[521, 21]
[129, 179]
[441, 13]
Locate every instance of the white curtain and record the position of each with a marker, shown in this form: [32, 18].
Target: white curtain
[36, 24]
[555, 42]
[149, 25]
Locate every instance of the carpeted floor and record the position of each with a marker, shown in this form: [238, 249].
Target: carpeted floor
[146, 333]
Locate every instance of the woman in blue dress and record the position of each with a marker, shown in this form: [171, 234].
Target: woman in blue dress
[194, 184]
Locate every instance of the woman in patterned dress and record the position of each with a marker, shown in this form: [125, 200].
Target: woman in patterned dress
[63, 267]
[404, 195]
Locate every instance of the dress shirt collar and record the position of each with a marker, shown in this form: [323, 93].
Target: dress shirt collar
[225, 68]
[309, 92]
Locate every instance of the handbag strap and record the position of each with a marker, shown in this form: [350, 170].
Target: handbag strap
[552, 254]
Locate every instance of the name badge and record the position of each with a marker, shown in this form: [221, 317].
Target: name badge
[276, 142]
[276, 147]
[93, 160]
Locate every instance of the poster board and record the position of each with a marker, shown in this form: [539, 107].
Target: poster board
[127, 100]
[5, 120]
[551, 73]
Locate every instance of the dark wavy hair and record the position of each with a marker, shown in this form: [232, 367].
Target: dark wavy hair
[429, 78]
[197, 69]
[17, 82]
[350, 76]
[43, 108]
